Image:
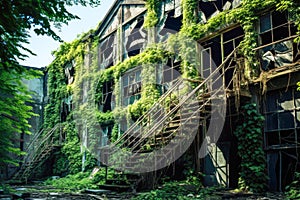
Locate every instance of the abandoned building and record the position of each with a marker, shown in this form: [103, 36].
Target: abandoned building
[146, 94]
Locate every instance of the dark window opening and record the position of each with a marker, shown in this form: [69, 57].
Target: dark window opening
[279, 18]
[107, 101]
[281, 133]
[132, 85]
[281, 110]
[172, 24]
[210, 7]
[274, 27]
[136, 39]
[167, 74]
[232, 39]
[233, 34]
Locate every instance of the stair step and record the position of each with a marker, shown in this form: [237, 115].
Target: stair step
[120, 181]
[115, 187]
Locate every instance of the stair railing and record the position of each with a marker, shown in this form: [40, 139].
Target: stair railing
[185, 102]
[155, 110]
[145, 132]
[34, 150]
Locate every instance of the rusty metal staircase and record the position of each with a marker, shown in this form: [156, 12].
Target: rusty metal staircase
[165, 132]
[38, 150]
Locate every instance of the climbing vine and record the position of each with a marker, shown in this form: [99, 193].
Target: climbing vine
[83, 52]
[152, 16]
[189, 9]
[250, 148]
[148, 60]
[293, 191]
[246, 15]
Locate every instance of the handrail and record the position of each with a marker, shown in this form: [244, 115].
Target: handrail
[39, 143]
[34, 138]
[165, 117]
[34, 152]
[199, 108]
[140, 120]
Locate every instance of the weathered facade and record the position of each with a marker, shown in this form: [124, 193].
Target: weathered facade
[37, 88]
[235, 61]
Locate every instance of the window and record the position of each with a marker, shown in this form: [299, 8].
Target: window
[106, 134]
[167, 74]
[206, 62]
[106, 51]
[131, 84]
[274, 28]
[70, 73]
[107, 100]
[281, 136]
[282, 117]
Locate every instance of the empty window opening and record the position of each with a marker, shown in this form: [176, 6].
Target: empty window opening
[132, 85]
[107, 101]
[166, 74]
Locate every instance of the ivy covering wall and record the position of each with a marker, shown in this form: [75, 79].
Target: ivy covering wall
[247, 15]
[84, 50]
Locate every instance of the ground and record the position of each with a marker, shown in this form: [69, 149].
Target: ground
[38, 192]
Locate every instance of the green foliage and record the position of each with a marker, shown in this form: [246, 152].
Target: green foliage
[5, 188]
[14, 111]
[148, 60]
[189, 10]
[115, 133]
[172, 190]
[71, 150]
[105, 118]
[16, 18]
[246, 15]
[80, 181]
[152, 17]
[76, 182]
[293, 190]
[250, 148]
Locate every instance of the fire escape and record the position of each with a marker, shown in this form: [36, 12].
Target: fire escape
[165, 132]
[37, 152]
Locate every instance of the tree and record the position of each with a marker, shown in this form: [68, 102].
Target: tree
[17, 17]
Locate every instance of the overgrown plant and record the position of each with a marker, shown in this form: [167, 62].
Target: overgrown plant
[249, 133]
[247, 15]
[152, 16]
[293, 190]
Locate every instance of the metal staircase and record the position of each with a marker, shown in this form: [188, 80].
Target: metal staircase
[38, 150]
[165, 132]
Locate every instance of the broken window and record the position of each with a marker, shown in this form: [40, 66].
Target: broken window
[106, 51]
[210, 8]
[69, 73]
[166, 74]
[274, 30]
[281, 110]
[131, 84]
[106, 134]
[171, 25]
[107, 100]
[134, 37]
[281, 137]
[231, 40]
